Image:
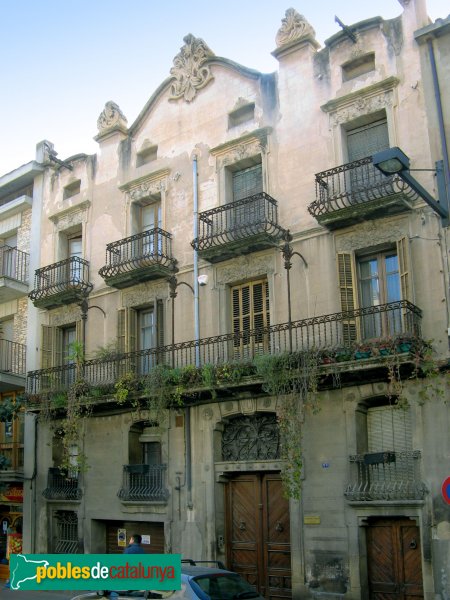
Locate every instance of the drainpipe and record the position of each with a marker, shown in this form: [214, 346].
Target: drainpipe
[196, 303]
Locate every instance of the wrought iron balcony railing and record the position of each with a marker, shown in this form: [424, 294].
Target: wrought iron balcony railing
[239, 227]
[14, 264]
[386, 476]
[357, 188]
[12, 358]
[339, 331]
[61, 283]
[140, 257]
[12, 453]
[143, 483]
[62, 484]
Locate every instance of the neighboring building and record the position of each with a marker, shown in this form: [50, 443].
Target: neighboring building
[259, 193]
[17, 192]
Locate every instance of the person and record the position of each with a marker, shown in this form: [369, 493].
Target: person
[134, 547]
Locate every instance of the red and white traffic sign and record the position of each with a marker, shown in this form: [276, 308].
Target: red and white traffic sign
[446, 490]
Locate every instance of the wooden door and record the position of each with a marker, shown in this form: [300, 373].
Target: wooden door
[258, 539]
[394, 560]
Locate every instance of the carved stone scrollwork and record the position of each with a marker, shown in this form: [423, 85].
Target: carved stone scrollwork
[294, 27]
[376, 232]
[111, 118]
[244, 267]
[145, 190]
[141, 294]
[189, 69]
[361, 106]
[251, 438]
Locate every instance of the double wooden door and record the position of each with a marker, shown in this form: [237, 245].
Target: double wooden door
[394, 560]
[258, 538]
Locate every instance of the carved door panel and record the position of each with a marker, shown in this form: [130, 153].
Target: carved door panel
[394, 560]
[258, 540]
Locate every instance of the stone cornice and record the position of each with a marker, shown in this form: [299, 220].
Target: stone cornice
[259, 135]
[372, 90]
[145, 179]
[82, 206]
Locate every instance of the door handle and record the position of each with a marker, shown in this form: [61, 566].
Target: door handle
[413, 544]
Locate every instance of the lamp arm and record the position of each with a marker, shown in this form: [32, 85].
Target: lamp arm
[415, 185]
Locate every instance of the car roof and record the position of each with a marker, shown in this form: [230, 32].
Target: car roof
[192, 570]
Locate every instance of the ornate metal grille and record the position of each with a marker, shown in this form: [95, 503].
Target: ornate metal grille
[69, 276]
[143, 483]
[251, 438]
[66, 541]
[14, 264]
[62, 485]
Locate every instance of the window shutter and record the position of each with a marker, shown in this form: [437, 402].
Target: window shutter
[404, 269]
[389, 429]
[250, 311]
[132, 330]
[159, 323]
[347, 279]
[121, 330]
[126, 330]
[58, 350]
[47, 339]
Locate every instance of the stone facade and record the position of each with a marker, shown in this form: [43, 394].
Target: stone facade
[292, 138]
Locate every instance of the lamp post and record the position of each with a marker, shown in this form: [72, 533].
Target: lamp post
[173, 284]
[288, 253]
[394, 161]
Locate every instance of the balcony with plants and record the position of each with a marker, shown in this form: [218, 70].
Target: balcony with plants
[141, 257]
[61, 283]
[357, 191]
[237, 228]
[355, 345]
[13, 273]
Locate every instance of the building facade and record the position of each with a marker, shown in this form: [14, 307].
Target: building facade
[234, 305]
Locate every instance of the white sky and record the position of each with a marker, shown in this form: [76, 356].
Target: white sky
[61, 60]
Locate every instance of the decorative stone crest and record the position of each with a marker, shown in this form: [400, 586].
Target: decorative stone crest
[377, 232]
[294, 27]
[111, 118]
[146, 189]
[143, 293]
[189, 69]
[245, 267]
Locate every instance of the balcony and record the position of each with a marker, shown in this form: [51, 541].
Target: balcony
[138, 258]
[11, 457]
[352, 339]
[13, 273]
[357, 191]
[12, 366]
[384, 476]
[240, 227]
[62, 485]
[143, 483]
[62, 283]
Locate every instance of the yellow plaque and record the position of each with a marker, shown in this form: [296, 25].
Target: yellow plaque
[311, 520]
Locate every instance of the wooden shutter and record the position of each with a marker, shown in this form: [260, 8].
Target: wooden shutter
[250, 311]
[365, 141]
[348, 296]
[47, 342]
[159, 315]
[388, 428]
[403, 268]
[126, 330]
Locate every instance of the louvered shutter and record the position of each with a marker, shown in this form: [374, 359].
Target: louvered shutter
[47, 341]
[121, 331]
[250, 306]
[159, 323]
[365, 141]
[348, 296]
[403, 267]
[126, 330]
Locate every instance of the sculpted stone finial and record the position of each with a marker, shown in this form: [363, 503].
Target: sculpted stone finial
[189, 69]
[111, 118]
[294, 27]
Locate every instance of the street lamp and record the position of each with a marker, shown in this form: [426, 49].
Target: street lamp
[173, 284]
[394, 161]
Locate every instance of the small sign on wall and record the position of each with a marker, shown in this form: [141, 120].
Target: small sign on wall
[446, 490]
[146, 539]
[122, 538]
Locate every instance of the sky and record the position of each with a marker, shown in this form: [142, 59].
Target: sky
[62, 60]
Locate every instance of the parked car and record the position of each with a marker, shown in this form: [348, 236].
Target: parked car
[198, 582]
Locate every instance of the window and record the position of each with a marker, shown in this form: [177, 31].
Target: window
[241, 115]
[250, 313]
[72, 189]
[57, 345]
[359, 66]
[139, 330]
[75, 254]
[368, 139]
[247, 182]
[150, 216]
[374, 279]
[65, 537]
[11, 438]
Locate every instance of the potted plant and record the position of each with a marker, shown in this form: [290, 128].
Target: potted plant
[363, 350]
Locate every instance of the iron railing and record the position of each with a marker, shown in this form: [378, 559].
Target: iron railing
[13, 455]
[62, 484]
[14, 264]
[12, 358]
[238, 220]
[153, 247]
[354, 184]
[386, 476]
[143, 483]
[338, 331]
[66, 276]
